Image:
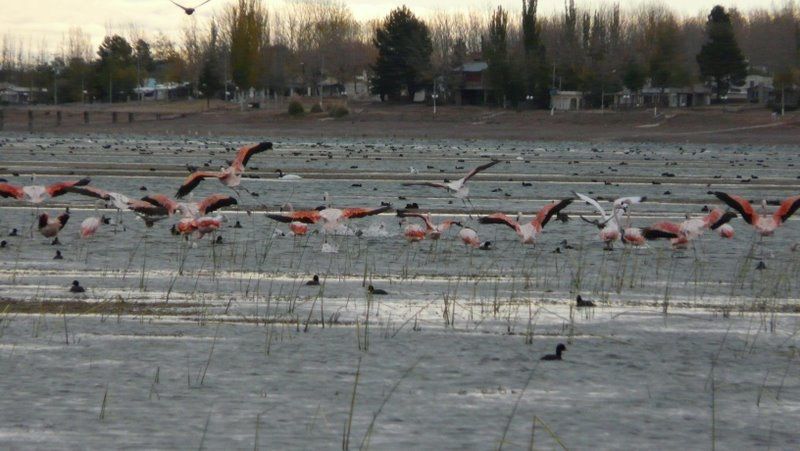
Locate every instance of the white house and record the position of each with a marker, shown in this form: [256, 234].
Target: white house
[566, 100]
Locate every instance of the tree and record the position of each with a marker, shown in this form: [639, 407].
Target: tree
[116, 68]
[665, 66]
[634, 76]
[404, 54]
[210, 81]
[495, 51]
[720, 57]
[536, 68]
[247, 33]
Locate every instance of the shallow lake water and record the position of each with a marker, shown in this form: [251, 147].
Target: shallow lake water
[460, 331]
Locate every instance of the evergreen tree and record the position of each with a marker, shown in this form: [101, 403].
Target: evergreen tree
[210, 80]
[404, 55]
[634, 76]
[537, 82]
[495, 51]
[720, 58]
[116, 68]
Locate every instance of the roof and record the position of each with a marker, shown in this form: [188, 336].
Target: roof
[568, 93]
[475, 66]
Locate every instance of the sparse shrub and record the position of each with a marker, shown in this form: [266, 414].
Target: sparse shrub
[316, 108]
[296, 108]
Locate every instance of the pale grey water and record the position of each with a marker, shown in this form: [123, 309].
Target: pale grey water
[633, 378]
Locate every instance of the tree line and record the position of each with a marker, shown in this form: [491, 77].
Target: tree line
[307, 43]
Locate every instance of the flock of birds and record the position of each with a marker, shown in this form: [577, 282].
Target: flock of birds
[198, 218]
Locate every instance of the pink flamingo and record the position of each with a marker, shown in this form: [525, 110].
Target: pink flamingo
[331, 218]
[693, 228]
[37, 194]
[765, 225]
[529, 231]
[431, 231]
[230, 176]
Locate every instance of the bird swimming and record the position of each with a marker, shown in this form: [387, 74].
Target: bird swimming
[373, 290]
[76, 287]
[557, 356]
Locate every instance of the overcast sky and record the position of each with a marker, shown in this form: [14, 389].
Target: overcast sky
[38, 21]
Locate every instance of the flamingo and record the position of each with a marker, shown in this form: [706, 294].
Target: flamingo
[195, 214]
[470, 238]
[611, 224]
[692, 228]
[230, 176]
[458, 188]
[49, 227]
[431, 231]
[414, 232]
[191, 209]
[90, 225]
[36, 194]
[187, 10]
[529, 230]
[119, 201]
[765, 225]
[331, 218]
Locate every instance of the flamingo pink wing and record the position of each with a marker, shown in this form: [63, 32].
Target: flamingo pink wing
[787, 208]
[739, 204]
[499, 218]
[363, 212]
[57, 189]
[193, 180]
[244, 154]
[7, 190]
[547, 212]
[306, 216]
[215, 202]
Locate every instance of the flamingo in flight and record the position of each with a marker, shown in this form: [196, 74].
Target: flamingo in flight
[692, 228]
[230, 176]
[457, 188]
[765, 225]
[191, 209]
[331, 218]
[37, 194]
[530, 230]
[431, 230]
[49, 227]
[195, 214]
[187, 10]
[610, 225]
[119, 201]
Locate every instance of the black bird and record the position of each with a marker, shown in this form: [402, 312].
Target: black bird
[557, 356]
[373, 290]
[580, 302]
[761, 266]
[485, 246]
[219, 239]
[314, 281]
[58, 256]
[3, 243]
[238, 225]
[189, 11]
[14, 232]
[76, 287]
